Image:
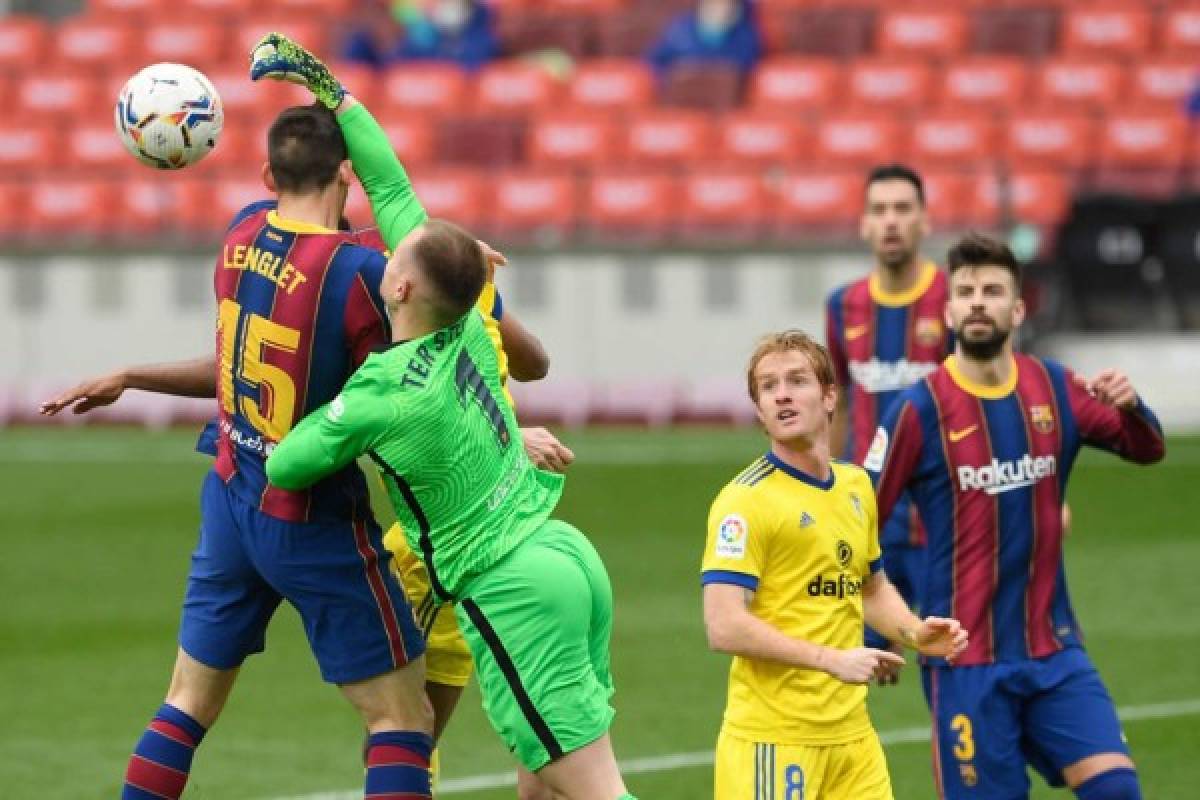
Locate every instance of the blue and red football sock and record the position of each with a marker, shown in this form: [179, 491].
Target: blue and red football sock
[398, 766]
[162, 759]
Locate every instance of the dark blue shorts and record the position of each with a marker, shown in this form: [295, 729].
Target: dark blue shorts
[358, 621]
[905, 569]
[991, 721]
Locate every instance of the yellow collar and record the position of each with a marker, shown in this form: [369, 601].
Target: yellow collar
[979, 389]
[906, 297]
[294, 225]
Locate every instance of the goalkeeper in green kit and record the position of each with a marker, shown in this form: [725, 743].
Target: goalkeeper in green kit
[531, 594]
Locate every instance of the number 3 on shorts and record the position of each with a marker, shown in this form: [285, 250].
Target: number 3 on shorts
[964, 750]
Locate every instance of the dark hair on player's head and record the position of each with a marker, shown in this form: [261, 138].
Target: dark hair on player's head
[978, 250]
[896, 172]
[453, 261]
[305, 146]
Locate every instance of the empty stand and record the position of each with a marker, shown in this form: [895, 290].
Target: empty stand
[795, 84]
[669, 137]
[612, 84]
[621, 205]
[931, 31]
[578, 139]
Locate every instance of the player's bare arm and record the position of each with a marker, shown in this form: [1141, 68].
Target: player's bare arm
[527, 358]
[545, 450]
[192, 378]
[886, 612]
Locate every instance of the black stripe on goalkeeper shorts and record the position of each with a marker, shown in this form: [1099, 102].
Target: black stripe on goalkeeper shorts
[535, 720]
[422, 522]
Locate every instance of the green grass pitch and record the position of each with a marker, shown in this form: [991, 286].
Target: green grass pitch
[97, 527]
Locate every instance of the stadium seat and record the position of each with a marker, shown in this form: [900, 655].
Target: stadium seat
[669, 137]
[1106, 31]
[1035, 197]
[860, 140]
[724, 204]
[300, 27]
[883, 83]
[147, 207]
[1091, 84]
[14, 195]
[484, 141]
[515, 87]
[809, 201]
[953, 139]
[623, 205]
[94, 146]
[69, 208]
[568, 139]
[207, 206]
[195, 42]
[451, 194]
[1050, 139]
[241, 150]
[994, 82]
[833, 32]
[762, 138]
[81, 41]
[333, 9]
[247, 100]
[631, 35]
[229, 10]
[61, 92]
[527, 31]
[411, 135]
[533, 204]
[612, 84]
[426, 89]
[143, 9]
[794, 84]
[1028, 31]
[1181, 31]
[1163, 83]
[927, 31]
[27, 149]
[1148, 183]
[706, 87]
[948, 198]
[23, 42]
[361, 81]
[1143, 140]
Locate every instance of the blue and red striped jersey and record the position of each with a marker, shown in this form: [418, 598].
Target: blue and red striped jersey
[882, 343]
[298, 311]
[987, 468]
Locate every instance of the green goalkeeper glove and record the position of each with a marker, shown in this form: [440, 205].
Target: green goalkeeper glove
[278, 57]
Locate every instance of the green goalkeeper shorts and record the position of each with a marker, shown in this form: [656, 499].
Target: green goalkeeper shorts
[538, 624]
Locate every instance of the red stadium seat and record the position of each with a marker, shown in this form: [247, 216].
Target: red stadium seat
[32, 148]
[211, 9]
[487, 142]
[860, 140]
[148, 206]
[707, 87]
[197, 216]
[952, 139]
[762, 138]
[985, 81]
[194, 42]
[515, 87]
[333, 9]
[1027, 31]
[71, 208]
[95, 146]
[93, 42]
[1041, 198]
[795, 84]
[832, 32]
[1112, 31]
[1163, 83]
[948, 197]
[123, 8]
[1088, 84]
[23, 42]
[361, 81]
[14, 197]
[536, 30]
[231, 194]
[531, 202]
[821, 200]
[300, 27]
[426, 89]
[1050, 139]
[452, 194]
[928, 31]
[1143, 140]
[669, 137]
[620, 203]
[885, 83]
[617, 84]
[62, 92]
[1181, 30]
[724, 204]
[261, 101]
[631, 35]
[241, 151]
[411, 135]
[572, 140]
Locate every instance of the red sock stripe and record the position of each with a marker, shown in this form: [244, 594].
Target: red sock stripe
[155, 778]
[173, 732]
[391, 755]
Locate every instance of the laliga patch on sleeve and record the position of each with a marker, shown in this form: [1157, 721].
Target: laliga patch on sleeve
[878, 452]
[336, 408]
[731, 537]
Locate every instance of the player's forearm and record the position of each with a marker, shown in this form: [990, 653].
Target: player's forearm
[194, 378]
[298, 462]
[1141, 437]
[527, 359]
[395, 205]
[885, 611]
[745, 635]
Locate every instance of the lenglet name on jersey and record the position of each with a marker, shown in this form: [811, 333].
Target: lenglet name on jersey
[262, 262]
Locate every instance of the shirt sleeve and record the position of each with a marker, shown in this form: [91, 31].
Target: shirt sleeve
[894, 454]
[334, 435]
[1134, 435]
[738, 536]
[874, 551]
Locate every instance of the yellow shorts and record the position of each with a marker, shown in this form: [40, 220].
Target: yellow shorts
[747, 770]
[447, 657]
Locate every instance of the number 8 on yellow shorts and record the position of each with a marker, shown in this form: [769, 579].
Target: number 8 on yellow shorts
[447, 656]
[747, 770]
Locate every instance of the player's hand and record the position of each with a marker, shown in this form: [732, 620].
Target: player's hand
[861, 664]
[279, 58]
[545, 451]
[939, 636]
[1110, 387]
[890, 672]
[87, 395]
[492, 257]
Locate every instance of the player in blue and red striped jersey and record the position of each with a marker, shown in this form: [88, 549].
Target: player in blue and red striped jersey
[884, 333]
[985, 446]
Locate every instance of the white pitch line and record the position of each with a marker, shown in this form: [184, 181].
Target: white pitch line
[703, 758]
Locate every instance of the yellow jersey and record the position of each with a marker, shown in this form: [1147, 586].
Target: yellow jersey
[803, 547]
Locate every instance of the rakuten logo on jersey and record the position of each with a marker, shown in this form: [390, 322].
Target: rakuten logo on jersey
[1004, 476]
[876, 376]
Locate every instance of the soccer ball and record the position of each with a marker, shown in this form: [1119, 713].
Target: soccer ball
[169, 116]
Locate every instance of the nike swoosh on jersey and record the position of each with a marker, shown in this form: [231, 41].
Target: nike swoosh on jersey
[958, 436]
[856, 331]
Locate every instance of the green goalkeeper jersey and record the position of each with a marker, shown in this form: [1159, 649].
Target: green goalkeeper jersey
[431, 414]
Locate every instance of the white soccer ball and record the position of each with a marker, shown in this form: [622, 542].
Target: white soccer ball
[169, 116]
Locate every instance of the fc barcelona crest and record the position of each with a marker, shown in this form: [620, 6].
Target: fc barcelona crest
[1042, 418]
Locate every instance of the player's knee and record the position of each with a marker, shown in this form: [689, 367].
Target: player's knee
[1114, 784]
